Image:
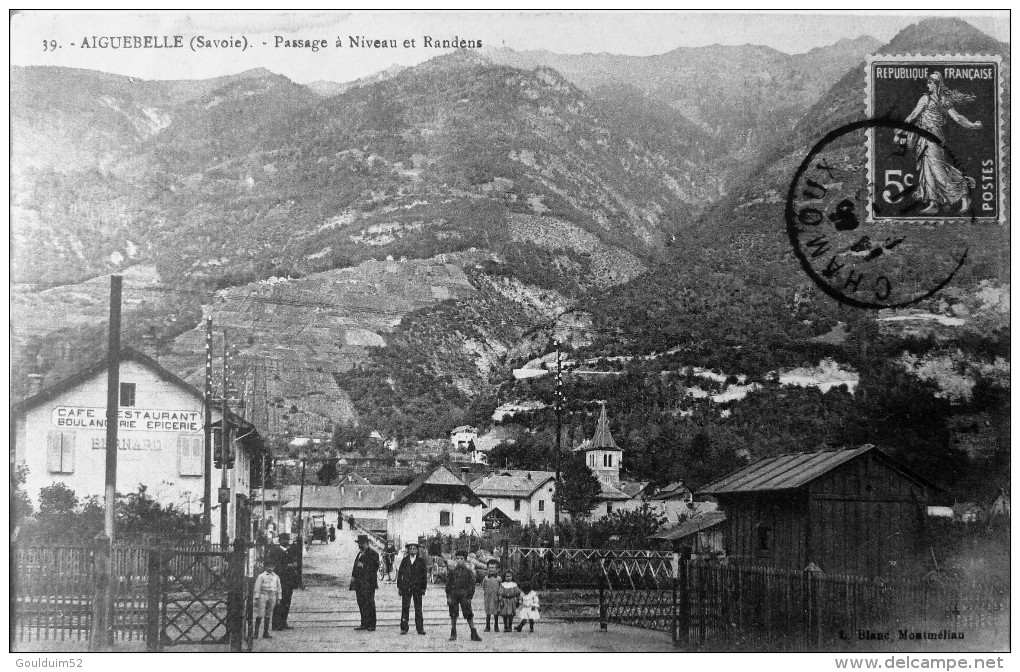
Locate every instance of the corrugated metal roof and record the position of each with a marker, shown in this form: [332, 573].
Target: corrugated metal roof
[785, 472]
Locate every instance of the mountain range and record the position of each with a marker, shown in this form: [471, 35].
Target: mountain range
[387, 251]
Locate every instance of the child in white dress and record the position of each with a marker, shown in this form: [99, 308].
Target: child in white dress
[529, 607]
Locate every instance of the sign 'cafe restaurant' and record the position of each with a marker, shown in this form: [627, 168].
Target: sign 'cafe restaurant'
[60, 436]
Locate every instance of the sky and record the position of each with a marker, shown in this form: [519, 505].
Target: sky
[638, 33]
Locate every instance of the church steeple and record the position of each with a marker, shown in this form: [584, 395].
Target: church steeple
[601, 453]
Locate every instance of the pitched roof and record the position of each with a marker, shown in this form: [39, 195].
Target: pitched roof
[126, 354]
[495, 513]
[438, 485]
[632, 488]
[671, 491]
[368, 496]
[512, 483]
[610, 491]
[603, 438]
[690, 526]
[788, 472]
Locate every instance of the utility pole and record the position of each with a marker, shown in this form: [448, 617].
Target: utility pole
[224, 495]
[301, 526]
[559, 433]
[102, 616]
[208, 448]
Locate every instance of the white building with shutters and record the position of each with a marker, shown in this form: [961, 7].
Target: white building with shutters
[59, 434]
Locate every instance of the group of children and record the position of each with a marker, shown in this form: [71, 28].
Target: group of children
[505, 599]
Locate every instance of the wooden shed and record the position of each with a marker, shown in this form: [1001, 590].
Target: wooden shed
[854, 511]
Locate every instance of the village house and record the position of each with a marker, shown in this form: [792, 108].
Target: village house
[437, 502]
[461, 438]
[605, 459]
[673, 501]
[366, 504]
[700, 536]
[853, 511]
[59, 433]
[523, 496]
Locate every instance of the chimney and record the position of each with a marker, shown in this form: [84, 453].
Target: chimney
[528, 475]
[361, 494]
[34, 383]
[393, 494]
[465, 475]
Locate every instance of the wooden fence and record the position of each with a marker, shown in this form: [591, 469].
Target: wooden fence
[731, 607]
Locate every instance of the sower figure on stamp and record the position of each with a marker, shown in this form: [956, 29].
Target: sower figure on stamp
[412, 579]
[282, 558]
[460, 588]
[267, 592]
[939, 183]
[364, 581]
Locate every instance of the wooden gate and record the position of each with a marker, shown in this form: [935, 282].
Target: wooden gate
[199, 597]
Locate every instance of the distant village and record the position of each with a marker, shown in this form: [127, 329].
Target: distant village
[852, 510]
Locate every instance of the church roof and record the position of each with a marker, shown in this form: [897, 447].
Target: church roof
[602, 439]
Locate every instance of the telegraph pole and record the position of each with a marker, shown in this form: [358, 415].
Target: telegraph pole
[224, 494]
[112, 404]
[208, 448]
[102, 609]
[559, 433]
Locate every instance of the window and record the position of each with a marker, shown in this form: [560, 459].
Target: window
[190, 453]
[517, 505]
[467, 520]
[127, 394]
[541, 505]
[60, 452]
[609, 507]
[444, 518]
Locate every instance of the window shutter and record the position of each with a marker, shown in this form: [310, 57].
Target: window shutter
[190, 451]
[67, 453]
[53, 452]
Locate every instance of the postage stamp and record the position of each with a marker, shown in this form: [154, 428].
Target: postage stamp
[945, 162]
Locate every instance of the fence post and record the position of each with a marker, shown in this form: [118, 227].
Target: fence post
[683, 602]
[603, 607]
[674, 622]
[102, 603]
[505, 559]
[811, 604]
[154, 595]
[235, 596]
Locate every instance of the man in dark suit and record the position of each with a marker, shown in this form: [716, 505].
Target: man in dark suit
[364, 581]
[412, 578]
[285, 559]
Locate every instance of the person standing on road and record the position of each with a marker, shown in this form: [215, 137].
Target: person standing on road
[490, 591]
[364, 581]
[509, 599]
[412, 579]
[266, 593]
[284, 559]
[460, 588]
[388, 555]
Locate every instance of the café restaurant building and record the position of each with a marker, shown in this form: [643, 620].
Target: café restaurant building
[59, 433]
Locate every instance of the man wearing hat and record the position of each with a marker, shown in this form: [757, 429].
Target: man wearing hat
[282, 559]
[412, 578]
[364, 581]
[460, 588]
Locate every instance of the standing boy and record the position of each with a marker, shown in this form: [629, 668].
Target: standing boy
[267, 592]
[490, 589]
[412, 578]
[460, 588]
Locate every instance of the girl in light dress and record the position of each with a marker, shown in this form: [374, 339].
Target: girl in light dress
[509, 599]
[529, 607]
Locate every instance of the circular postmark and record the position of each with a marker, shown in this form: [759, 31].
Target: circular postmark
[856, 261]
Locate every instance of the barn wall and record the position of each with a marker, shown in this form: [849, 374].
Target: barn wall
[782, 514]
[866, 521]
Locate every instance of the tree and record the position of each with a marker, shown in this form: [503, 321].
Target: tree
[528, 451]
[328, 472]
[579, 488]
[632, 527]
